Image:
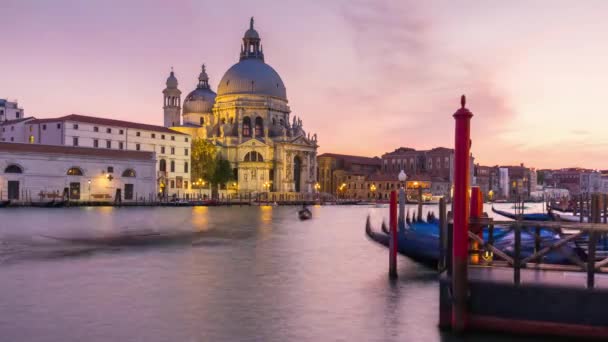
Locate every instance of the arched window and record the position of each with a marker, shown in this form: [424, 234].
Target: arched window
[13, 169]
[128, 173]
[259, 127]
[246, 126]
[162, 165]
[202, 120]
[173, 166]
[75, 171]
[253, 156]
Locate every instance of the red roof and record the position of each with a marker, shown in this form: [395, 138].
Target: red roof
[109, 122]
[80, 151]
[353, 159]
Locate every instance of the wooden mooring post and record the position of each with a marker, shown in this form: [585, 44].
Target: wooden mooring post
[392, 270]
[460, 209]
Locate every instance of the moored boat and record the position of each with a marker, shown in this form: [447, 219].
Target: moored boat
[525, 217]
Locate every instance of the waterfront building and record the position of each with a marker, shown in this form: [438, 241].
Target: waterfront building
[43, 173]
[576, 180]
[172, 149]
[14, 130]
[10, 110]
[338, 172]
[250, 122]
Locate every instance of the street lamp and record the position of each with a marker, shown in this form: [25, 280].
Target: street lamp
[372, 188]
[402, 177]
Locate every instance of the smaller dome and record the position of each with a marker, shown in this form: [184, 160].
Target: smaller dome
[200, 100]
[172, 80]
[251, 33]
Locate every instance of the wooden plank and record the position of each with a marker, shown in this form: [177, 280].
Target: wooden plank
[554, 246]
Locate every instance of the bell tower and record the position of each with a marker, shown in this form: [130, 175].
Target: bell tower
[172, 101]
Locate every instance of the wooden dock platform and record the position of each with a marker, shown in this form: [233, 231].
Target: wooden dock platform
[544, 303]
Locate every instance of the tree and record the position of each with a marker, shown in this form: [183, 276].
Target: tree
[203, 160]
[223, 172]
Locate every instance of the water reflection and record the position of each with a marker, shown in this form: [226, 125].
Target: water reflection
[242, 273]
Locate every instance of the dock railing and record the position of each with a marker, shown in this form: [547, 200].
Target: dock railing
[584, 234]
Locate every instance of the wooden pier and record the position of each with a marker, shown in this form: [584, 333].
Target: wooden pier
[484, 288]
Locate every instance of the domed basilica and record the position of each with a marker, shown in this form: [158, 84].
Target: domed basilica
[249, 121]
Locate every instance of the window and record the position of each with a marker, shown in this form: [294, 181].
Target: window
[162, 136]
[95, 143]
[128, 173]
[153, 135]
[162, 149]
[185, 184]
[172, 166]
[108, 143]
[120, 145]
[173, 137]
[246, 127]
[186, 167]
[162, 165]
[121, 132]
[31, 140]
[172, 184]
[172, 150]
[128, 191]
[202, 121]
[17, 115]
[44, 127]
[75, 171]
[75, 141]
[75, 126]
[108, 130]
[31, 128]
[137, 147]
[13, 169]
[253, 157]
[12, 128]
[95, 129]
[58, 126]
[186, 152]
[138, 134]
[12, 138]
[110, 169]
[186, 139]
[259, 127]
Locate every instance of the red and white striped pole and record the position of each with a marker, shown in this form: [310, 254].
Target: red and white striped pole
[392, 263]
[460, 211]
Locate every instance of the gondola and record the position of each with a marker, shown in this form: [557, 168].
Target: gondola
[525, 217]
[304, 214]
[419, 241]
[49, 204]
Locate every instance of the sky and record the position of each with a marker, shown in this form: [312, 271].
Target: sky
[366, 76]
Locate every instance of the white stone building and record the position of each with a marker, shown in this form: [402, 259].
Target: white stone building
[172, 148]
[250, 121]
[42, 173]
[10, 110]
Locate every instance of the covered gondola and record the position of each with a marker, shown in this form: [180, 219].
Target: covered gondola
[419, 241]
[304, 214]
[525, 217]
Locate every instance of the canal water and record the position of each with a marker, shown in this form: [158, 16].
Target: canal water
[215, 274]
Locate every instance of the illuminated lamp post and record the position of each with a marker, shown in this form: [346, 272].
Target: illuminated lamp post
[317, 188]
[402, 177]
[372, 188]
[89, 190]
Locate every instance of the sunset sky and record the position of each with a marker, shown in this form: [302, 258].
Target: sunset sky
[366, 76]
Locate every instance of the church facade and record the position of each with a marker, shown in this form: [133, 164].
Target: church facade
[250, 122]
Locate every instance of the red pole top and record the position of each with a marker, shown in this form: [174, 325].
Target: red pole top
[463, 111]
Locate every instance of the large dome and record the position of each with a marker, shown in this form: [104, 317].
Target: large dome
[252, 76]
[200, 100]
